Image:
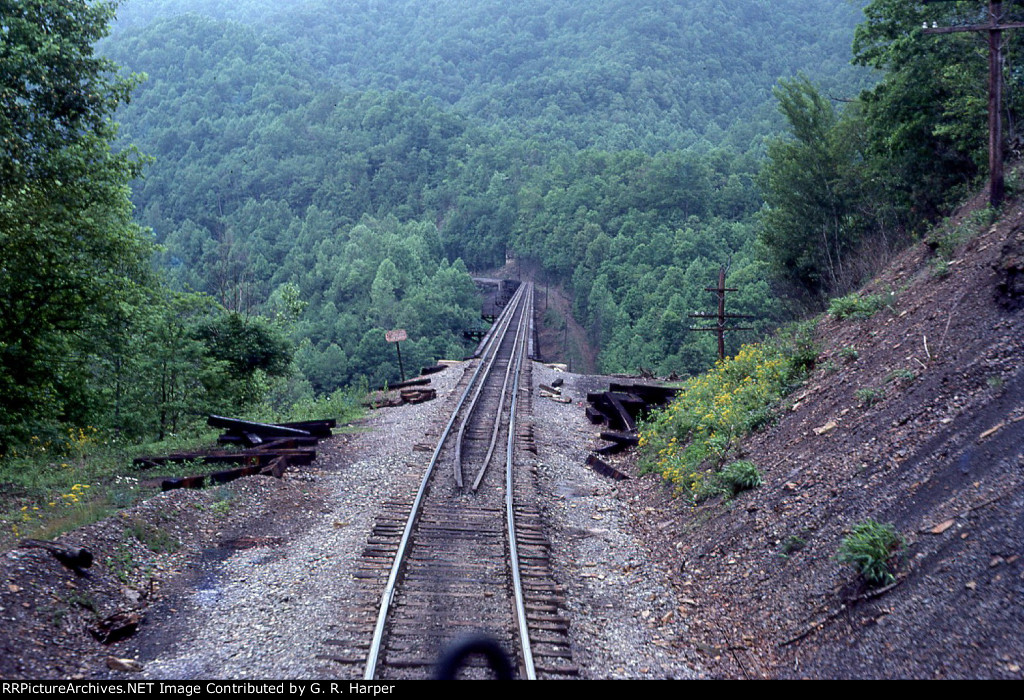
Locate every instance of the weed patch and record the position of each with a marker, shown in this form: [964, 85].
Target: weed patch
[690, 441]
[849, 354]
[121, 563]
[870, 396]
[857, 307]
[740, 476]
[871, 548]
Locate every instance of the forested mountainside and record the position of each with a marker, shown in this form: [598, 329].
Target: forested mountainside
[615, 143]
[612, 74]
[314, 173]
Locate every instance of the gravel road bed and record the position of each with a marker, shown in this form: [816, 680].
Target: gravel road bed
[627, 619]
[267, 611]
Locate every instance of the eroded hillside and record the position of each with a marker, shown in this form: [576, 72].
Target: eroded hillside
[913, 416]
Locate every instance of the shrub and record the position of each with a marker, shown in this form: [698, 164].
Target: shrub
[870, 548]
[740, 476]
[697, 433]
[856, 306]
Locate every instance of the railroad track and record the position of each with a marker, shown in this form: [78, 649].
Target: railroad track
[468, 555]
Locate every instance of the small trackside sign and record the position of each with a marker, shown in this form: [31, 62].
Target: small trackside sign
[395, 336]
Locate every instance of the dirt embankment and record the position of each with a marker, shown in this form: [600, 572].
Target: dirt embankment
[915, 417]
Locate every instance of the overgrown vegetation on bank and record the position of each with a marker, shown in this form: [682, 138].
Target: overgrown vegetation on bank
[692, 442]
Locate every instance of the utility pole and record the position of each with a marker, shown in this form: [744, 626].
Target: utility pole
[721, 328]
[995, 28]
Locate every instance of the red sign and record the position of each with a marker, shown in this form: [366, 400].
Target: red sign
[395, 336]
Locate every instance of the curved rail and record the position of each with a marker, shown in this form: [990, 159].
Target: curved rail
[523, 297]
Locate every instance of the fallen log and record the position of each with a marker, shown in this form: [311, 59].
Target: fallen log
[410, 382]
[629, 440]
[275, 467]
[620, 442]
[317, 428]
[650, 393]
[264, 430]
[418, 395]
[274, 444]
[619, 408]
[244, 457]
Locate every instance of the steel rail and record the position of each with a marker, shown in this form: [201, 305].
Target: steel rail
[496, 341]
[517, 585]
[388, 596]
[520, 330]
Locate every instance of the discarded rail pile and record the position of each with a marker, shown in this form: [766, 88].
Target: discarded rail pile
[618, 409]
[268, 448]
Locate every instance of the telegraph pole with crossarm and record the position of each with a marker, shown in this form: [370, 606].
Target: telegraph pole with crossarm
[721, 328]
[995, 28]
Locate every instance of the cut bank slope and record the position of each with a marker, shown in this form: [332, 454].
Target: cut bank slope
[915, 417]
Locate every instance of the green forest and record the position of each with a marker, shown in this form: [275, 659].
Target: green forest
[215, 206]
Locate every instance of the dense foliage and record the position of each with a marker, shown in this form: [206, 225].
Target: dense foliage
[88, 336]
[615, 145]
[843, 189]
[847, 186]
[70, 254]
[318, 172]
[693, 440]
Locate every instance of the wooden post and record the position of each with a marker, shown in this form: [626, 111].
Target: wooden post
[401, 369]
[720, 329]
[997, 188]
[397, 336]
[995, 29]
[721, 313]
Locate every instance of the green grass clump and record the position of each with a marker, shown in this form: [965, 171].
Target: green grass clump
[690, 441]
[849, 354]
[856, 306]
[740, 476]
[871, 548]
[791, 545]
[870, 396]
